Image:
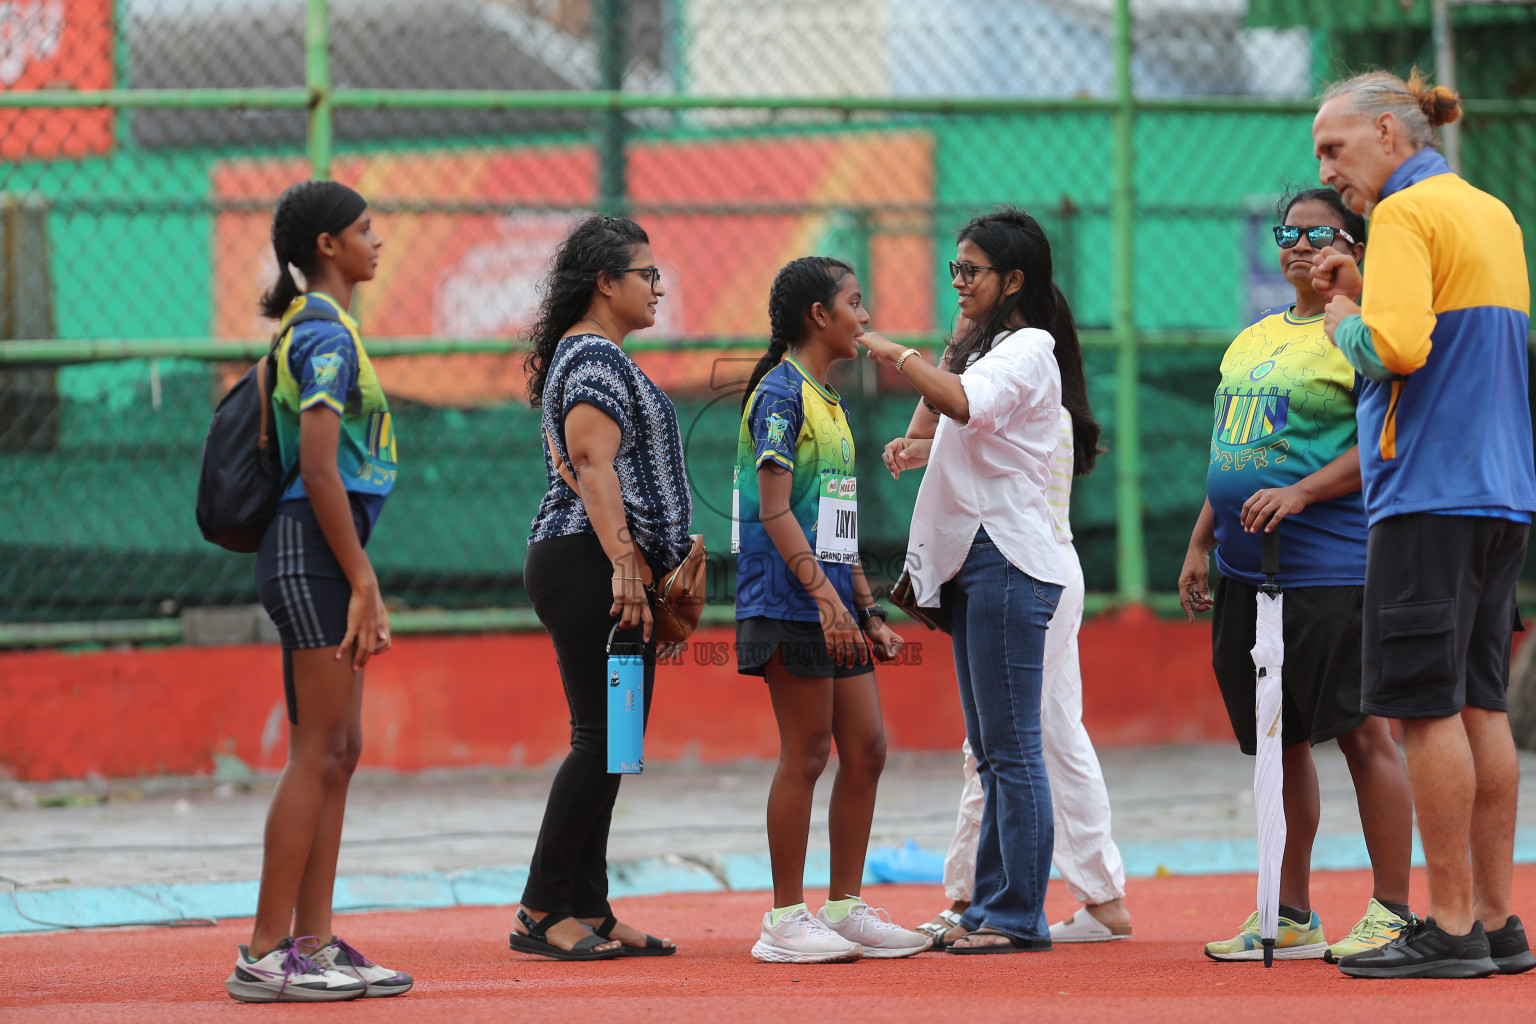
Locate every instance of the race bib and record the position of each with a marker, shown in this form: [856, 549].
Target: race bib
[837, 521]
[736, 511]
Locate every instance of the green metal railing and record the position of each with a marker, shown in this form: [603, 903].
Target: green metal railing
[322, 100]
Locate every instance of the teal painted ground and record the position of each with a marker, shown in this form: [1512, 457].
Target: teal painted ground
[35, 910]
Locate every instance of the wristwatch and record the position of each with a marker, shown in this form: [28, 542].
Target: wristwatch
[873, 611]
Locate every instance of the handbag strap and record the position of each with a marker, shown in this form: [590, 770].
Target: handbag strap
[642, 565]
[560, 466]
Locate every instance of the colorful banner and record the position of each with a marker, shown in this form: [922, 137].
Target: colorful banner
[55, 44]
[729, 213]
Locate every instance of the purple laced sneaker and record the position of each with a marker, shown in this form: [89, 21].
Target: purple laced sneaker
[357, 959]
[295, 962]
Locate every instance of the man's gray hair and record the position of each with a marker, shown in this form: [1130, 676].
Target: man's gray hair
[1418, 107]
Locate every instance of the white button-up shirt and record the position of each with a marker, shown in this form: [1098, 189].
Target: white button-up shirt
[995, 470]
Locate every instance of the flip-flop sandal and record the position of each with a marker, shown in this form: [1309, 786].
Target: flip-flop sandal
[653, 946]
[535, 942]
[1013, 945]
[1084, 927]
[938, 931]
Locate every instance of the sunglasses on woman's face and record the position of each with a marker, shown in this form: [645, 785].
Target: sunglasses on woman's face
[1319, 236]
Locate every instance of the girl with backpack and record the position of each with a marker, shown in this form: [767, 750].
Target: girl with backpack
[806, 621]
[319, 587]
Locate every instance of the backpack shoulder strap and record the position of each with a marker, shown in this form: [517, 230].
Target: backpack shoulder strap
[267, 368]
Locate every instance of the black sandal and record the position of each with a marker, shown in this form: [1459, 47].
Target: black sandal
[1013, 945]
[653, 946]
[535, 942]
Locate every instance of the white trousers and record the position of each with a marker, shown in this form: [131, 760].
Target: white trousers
[1085, 855]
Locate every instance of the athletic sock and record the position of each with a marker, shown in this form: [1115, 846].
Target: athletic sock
[778, 914]
[1301, 917]
[1400, 909]
[838, 909]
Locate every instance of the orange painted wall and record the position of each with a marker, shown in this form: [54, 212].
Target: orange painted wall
[496, 700]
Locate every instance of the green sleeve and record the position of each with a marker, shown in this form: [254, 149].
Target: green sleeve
[1355, 342]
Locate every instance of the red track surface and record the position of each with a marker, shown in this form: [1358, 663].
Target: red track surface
[465, 972]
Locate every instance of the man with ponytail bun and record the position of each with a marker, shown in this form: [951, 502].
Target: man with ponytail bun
[1447, 469]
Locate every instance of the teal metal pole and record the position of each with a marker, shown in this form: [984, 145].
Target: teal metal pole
[317, 79]
[1131, 547]
[610, 133]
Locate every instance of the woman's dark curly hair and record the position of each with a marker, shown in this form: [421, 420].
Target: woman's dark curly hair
[596, 244]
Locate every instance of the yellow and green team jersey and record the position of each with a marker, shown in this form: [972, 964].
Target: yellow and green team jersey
[1285, 409]
[801, 424]
[322, 362]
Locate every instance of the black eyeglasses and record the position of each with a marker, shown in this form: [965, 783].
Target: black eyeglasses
[967, 271]
[1319, 236]
[652, 275]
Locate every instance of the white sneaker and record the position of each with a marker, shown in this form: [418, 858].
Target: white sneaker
[381, 981]
[287, 976]
[799, 938]
[873, 929]
[1084, 927]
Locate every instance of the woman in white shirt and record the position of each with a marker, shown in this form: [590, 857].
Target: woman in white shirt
[984, 535]
[1085, 853]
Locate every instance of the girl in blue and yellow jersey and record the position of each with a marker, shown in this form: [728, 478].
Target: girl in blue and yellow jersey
[1283, 448]
[805, 619]
[319, 587]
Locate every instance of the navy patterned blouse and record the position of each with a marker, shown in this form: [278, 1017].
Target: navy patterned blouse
[652, 478]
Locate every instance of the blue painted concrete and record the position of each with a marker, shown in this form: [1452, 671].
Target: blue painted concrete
[34, 910]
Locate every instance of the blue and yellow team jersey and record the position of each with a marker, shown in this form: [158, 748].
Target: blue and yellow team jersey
[322, 362]
[1285, 409]
[795, 421]
[1445, 416]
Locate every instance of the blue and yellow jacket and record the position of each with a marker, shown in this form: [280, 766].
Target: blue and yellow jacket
[1445, 422]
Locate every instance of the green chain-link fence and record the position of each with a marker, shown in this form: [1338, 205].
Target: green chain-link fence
[146, 140]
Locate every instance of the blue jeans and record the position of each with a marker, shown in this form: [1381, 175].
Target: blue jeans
[1000, 616]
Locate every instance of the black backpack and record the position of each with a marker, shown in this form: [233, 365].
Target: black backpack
[240, 485]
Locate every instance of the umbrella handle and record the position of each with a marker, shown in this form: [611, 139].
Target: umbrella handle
[1270, 556]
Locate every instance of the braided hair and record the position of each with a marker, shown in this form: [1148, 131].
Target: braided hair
[305, 212]
[798, 286]
[1013, 240]
[596, 244]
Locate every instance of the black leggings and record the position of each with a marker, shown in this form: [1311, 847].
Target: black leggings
[570, 581]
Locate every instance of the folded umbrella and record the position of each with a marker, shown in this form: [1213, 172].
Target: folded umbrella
[1268, 771]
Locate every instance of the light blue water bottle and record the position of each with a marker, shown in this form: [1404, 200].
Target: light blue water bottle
[626, 707]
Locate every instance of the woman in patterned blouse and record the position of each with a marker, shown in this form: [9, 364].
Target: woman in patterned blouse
[605, 422]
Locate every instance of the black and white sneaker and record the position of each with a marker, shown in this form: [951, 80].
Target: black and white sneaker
[286, 975]
[1511, 952]
[338, 955]
[1423, 950]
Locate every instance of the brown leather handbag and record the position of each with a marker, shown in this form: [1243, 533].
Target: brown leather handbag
[680, 594]
[904, 597]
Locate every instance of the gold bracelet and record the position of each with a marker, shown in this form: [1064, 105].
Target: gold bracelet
[903, 357]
